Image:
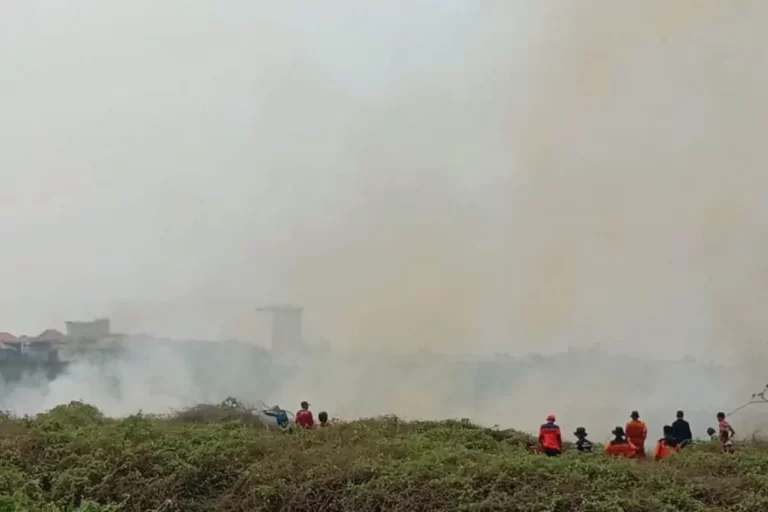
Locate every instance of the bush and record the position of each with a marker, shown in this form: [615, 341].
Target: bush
[217, 458]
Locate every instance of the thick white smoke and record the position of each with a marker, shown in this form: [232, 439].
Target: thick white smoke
[454, 176]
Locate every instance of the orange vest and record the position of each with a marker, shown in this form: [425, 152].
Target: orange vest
[549, 437]
[620, 449]
[663, 450]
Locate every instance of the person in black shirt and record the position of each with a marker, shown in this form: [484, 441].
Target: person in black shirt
[681, 430]
[582, 443]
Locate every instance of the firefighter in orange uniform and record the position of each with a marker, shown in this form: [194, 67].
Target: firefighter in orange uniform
[637, 432]
[619, 446]
[550, 440]
[666, 445]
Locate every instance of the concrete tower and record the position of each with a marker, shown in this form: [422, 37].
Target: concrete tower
[286, 327]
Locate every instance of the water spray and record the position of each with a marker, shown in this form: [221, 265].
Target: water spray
[757, 398]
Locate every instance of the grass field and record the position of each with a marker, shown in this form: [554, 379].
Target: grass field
[214, 458]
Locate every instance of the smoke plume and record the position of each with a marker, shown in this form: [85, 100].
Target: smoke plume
[453, 177]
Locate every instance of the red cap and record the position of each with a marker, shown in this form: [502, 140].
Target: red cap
[551, 417]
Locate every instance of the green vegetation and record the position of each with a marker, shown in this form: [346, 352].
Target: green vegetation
[217, 458]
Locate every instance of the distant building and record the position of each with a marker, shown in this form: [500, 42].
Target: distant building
[287, 333]
[9, 353]
[50, 336]
[44, 347]
[8, 340]
[6, 337]
[90, 331]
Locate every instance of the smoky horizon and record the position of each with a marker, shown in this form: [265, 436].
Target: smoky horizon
[421, 177]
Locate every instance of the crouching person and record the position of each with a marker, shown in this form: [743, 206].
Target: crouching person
[667, 445]
[619, 446]
[322, 419]
[583, 444]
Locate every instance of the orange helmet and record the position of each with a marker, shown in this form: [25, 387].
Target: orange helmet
[551, 417]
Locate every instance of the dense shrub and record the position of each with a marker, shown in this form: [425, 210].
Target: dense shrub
[217, 458]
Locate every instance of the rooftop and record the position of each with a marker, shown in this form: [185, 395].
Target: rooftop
[6, 337]
[50, 335]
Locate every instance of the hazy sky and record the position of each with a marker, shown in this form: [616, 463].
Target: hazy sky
[456, 175]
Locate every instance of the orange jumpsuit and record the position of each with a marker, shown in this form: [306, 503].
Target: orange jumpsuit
[621, 449]
[637, 432]
[663, 449]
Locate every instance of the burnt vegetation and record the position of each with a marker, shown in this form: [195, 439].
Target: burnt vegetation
[216, 458]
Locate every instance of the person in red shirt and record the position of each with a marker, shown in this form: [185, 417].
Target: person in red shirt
[304, 417]
[549, 438]
[726, 432]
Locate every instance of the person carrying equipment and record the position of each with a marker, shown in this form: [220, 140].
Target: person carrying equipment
[619, 446]
[583, 444]
[681, 430]
[281, 417]
[726, 433]
[304, 417]
[550, 440]
[667, 444]
[637, 432]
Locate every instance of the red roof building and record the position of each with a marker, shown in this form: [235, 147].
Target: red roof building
[6, 337]
[51, 335]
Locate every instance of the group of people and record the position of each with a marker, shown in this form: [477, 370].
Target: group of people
[305, 419]
[629, 441]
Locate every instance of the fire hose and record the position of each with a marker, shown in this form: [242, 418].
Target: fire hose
[757, 398]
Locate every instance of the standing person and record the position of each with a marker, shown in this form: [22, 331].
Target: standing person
[583, 444]
[637, 432]
[681, 430]
[666, 445]
[726, 433]
[619, 446]
[304, 417]
[550, 440]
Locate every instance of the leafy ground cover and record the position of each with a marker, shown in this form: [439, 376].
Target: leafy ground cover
[216, 458]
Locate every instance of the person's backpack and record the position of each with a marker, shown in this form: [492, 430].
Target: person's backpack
[280, 416]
